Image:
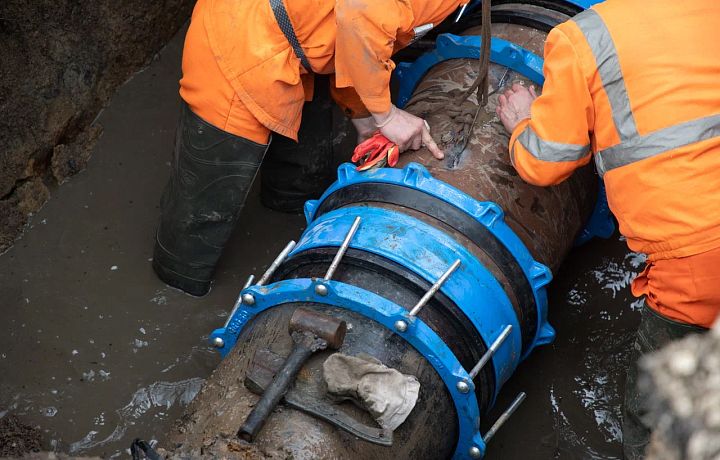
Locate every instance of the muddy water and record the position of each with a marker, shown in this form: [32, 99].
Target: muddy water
[575, 386]
[96, 351]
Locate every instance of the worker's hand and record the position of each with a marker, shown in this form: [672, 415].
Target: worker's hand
[514, 106]
[365, 128]
[407, 131]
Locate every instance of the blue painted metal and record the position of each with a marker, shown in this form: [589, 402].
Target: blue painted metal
[488, 214]
[448, 46]
[428, 252]
[601, 223]
[418, 334]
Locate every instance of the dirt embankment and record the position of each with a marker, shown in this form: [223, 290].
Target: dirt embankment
[61, 62]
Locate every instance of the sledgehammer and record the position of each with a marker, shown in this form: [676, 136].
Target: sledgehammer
[311, 332]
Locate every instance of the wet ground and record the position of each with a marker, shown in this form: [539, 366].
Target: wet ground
[96, 350]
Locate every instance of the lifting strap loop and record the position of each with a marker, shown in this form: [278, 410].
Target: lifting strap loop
[482, 82]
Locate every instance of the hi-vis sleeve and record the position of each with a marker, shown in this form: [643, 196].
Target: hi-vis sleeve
[366, 32]
[555, 141]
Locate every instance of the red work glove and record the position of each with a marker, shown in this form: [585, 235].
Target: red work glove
[376, 151]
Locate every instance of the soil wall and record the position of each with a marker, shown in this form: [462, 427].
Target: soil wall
[60, 61]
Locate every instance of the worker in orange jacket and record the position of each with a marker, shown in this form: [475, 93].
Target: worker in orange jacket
[255, 67]
[634, 86]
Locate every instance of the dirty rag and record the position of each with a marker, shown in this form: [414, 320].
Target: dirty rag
[386, 393]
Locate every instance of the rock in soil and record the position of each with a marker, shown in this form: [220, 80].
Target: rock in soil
[68, 160]
[27, 197]
[223, 446]
[684, 383]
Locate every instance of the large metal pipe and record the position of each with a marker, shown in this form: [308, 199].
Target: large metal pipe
[546, 219]
[392, 236]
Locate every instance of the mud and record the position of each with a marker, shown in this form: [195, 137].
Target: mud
[51, 456]
[97, 351]
[17, 438]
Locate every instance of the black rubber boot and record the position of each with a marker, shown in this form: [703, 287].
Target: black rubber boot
[294, 172]
[212, 171]
[655, 332]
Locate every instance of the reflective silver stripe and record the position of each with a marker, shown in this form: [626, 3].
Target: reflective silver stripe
[658, 142]
[606, 58]
[550, 151]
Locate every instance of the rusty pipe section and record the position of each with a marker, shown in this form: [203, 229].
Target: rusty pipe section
[546, 219]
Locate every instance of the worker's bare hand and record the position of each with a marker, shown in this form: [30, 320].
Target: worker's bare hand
[514, 106]
[365, 128]
[408, 132]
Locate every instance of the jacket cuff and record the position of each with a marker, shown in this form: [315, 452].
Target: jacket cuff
[378, 104]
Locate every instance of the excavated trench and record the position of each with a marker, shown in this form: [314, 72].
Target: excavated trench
[97, 351]
[61, 62]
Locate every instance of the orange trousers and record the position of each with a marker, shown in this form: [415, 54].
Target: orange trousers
[685, 289]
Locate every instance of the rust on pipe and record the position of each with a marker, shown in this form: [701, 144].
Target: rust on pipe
[546, 219]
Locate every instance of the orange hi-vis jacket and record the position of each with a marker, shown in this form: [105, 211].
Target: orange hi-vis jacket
[636, 84]
[352, 38]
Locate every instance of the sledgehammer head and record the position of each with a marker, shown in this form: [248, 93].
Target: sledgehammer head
[330, 329]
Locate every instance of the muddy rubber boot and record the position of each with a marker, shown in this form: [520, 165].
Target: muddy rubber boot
[655, 332]
[212, 171]
[294, 172]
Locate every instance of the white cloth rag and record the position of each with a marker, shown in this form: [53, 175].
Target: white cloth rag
[386, 393]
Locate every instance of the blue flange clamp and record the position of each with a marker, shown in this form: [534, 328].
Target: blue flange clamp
[488, 214]
[387, 313]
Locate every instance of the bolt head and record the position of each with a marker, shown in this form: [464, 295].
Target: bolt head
[401, 326]
[474, 452]
[463, 388]
[218, 342]
[321, 289]
[248, 299]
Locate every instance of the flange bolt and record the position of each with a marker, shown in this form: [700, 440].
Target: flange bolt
[248, 299]
[474, 452]
[463, 388]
